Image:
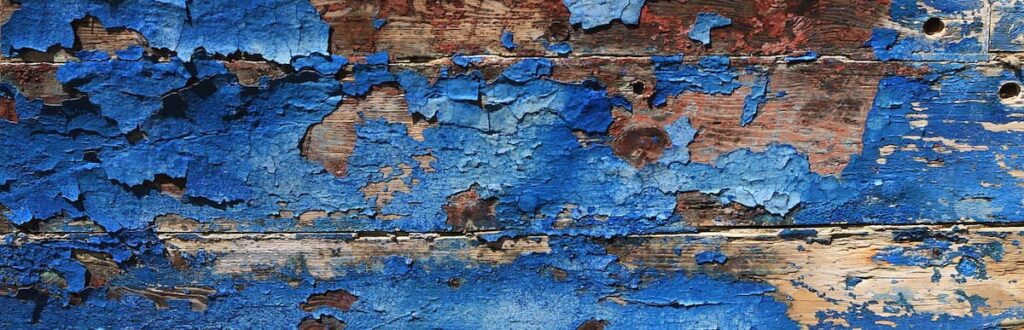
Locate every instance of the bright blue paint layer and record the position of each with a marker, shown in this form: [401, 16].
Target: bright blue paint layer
[507, 40]
[378, 23]
[323, 64]
[255, 132]
[127, 92]
[220, 27]
[516, 138]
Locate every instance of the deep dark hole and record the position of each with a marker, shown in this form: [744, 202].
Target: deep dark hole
[136, 136]
[1009, 90]
[638, 87]
[91, 156]
[933, 26]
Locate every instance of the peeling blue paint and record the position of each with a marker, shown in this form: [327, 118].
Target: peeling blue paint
[960, 40]
[594, 13]
[969, 258]
[560, 48]
[507, 40]
[539, 148]
[378, 23]
[708, 257]
[702, 25]
[394, 295]
[219, 27]
[756, 99]
[711, 75]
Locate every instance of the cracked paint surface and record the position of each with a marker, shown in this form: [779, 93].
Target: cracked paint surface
[553, 184]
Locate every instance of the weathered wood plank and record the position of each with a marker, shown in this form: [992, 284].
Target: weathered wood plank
[428, 29]
[824, 274]
[830, 113]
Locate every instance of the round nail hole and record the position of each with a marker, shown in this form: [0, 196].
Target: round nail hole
[638, 87]
[933, 26]
[1009, 90]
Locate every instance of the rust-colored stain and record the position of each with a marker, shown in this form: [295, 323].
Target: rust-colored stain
[467, 211]
[638, 144]
[338, 299]
[7, 110]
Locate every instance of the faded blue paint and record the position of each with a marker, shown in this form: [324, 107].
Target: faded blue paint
[951, 191]
[402, 292]
[466, 61]
[1007, 30]
[323, 64]
[709, 257]
[961, 40]
[806, 56]
[594, 13]
[756, 99]
[560, 48]
[702, 25]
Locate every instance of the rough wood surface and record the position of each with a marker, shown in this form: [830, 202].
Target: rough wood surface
[323, 164]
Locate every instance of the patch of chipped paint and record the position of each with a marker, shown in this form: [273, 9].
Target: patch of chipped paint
[181, 26]
[702, 25]
[595, 13]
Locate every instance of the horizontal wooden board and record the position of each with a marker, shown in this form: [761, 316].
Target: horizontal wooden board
[822, 274]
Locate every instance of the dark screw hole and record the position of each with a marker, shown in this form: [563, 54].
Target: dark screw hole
[1009, 90]
[638, 87]
[136, 136]
[933, 26]
[91, 156]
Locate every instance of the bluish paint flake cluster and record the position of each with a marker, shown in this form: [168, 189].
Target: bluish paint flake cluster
[277, 30]
[595, 13]
[537, 147]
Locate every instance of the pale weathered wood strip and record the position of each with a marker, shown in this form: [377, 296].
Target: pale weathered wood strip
[810, 273]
